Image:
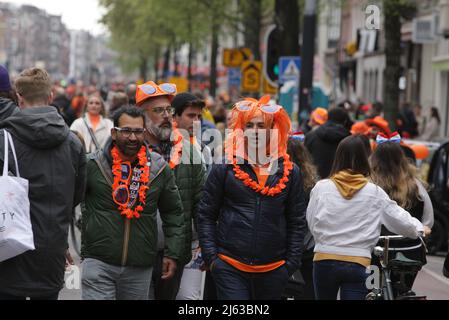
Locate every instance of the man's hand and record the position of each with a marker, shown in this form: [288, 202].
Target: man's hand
[427, 231]
[68, 260]
[168, 268]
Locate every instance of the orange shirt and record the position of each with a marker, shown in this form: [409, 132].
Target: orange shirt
[95, 121]
[262, 174]
[251, 269]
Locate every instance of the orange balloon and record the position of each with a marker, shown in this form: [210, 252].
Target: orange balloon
[421, 151]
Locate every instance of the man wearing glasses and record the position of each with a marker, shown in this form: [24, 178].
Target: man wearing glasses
[185, 160]
[126, 186]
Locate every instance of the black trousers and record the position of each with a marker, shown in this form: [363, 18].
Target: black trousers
[6, 297]
[166, 289]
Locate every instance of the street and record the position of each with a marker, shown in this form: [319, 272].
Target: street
[430, 281]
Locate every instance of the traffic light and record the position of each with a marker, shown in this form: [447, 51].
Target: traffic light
[272, 55]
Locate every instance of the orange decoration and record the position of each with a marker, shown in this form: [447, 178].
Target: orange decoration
[421, 151]
[266, 191]
[176, 156]
[144, 180]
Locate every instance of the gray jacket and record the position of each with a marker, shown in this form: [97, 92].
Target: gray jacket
[52, 159]
[7, 108]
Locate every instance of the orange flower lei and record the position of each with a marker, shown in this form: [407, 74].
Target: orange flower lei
[176, 156]
[144, 180]
[266, 191]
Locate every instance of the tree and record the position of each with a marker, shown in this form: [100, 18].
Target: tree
[253, 18]
[143, 29]
[395, 11]
[287, 21]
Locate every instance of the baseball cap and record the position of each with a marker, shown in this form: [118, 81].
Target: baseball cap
[150, 90]
[320, 116]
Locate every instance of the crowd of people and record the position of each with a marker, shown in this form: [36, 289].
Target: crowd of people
[160, 221]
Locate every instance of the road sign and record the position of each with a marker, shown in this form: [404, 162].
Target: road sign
[251, 76]
[234, 77]
[233, 58]
[268, 88]
[289, 69]
[182, 84]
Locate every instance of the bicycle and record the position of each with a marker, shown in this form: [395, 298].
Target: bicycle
[401, 266]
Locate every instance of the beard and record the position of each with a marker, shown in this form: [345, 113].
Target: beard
[161, 132]
[129, 149]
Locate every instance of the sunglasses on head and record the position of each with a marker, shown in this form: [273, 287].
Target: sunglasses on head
[149, 89]
[247, 105]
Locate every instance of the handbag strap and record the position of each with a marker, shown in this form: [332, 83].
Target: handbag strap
[104, 171]
[8, 138]
[92, 135]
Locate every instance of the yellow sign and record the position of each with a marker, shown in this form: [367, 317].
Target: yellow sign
[233, 58]
[181, 83]
[268, 88]
[251, 76]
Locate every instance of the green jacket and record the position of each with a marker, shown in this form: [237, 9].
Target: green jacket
[113, 239]
[190, 177]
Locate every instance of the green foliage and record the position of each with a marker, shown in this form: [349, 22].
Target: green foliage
[405, 9]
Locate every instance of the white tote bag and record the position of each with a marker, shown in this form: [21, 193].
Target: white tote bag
[16, 233]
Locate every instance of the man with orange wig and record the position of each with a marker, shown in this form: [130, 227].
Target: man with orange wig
[251, 219]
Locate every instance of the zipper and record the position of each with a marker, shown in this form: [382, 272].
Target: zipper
[128, 229]
[256, 224]
[256, 218]
[126, 242]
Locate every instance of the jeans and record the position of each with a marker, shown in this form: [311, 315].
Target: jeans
[233, 284]
[330, 276]
[102, 281]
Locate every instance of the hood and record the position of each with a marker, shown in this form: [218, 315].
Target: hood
[332, 132]
[7, 108]
[348, 183]
[41, 128]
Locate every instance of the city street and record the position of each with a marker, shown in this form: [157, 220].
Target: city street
[231, 135]
[430, 281]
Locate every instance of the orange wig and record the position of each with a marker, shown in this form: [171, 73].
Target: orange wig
[279, 121]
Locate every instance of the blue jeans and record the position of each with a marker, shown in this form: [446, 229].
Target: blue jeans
[330, 276]
[233, 284]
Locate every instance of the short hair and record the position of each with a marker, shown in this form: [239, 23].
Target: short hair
[196, 104]
[34, 85]
[352, 155]
[131, 111]
[120, 99]
[338, 115]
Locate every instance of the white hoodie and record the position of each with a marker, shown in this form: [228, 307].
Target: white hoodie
[352, 227]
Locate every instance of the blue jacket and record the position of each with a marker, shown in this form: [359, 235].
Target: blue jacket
[235, 221]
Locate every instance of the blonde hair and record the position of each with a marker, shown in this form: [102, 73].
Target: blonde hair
[34, 85]
[103, 105]
[395, 174]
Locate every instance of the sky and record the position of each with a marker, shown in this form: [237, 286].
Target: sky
[76, 14]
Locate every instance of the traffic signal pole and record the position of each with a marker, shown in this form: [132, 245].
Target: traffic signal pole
[307, 55]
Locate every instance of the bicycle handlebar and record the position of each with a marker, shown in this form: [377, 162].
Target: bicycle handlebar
[396, 237]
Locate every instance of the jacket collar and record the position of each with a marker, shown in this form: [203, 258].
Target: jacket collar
[157, 162]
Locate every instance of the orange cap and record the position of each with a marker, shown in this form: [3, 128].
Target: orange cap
[360, 128]
[381, 123]
[152, 90]
[320, 116]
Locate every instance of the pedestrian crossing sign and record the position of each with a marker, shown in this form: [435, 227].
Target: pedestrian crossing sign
[289, 69]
